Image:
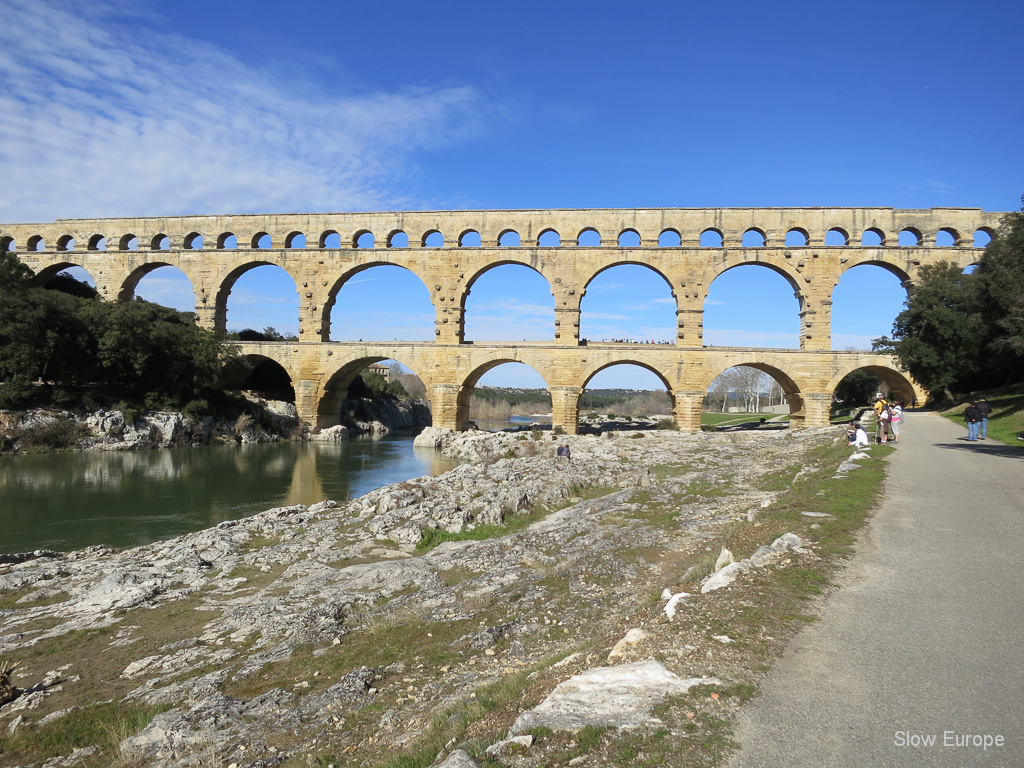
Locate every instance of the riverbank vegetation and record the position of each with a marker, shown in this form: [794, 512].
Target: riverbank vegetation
[962, 332]
[64, 347]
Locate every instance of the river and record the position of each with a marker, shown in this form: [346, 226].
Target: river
[66, 501]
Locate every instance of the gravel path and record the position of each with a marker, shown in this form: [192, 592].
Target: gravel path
[922, 646]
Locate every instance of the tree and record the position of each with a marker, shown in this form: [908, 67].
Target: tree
[961, 332]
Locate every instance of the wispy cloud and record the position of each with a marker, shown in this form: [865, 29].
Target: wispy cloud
[103, 118]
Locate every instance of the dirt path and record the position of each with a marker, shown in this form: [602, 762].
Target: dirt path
[922, 646]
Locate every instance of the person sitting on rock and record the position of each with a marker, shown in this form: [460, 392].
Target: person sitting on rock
[857, 435]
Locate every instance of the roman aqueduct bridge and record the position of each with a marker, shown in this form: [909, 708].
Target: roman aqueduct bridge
[449, 250]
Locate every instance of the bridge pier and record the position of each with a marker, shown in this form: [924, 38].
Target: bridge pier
[687, 410]
[565, 408]
[444, 406]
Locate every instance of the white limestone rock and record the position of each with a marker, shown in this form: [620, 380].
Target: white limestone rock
[620, 697]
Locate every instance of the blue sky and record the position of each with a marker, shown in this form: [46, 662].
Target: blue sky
[111, 108]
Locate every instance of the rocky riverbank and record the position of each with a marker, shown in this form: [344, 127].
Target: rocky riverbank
[323, 635]
[270, 420]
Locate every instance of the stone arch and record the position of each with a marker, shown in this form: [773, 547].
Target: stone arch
[334, 386]
[335, 289]
[47, 273]
[329, 235]
[470, 238]
[872, 237]
[226, 241]
[588, 283]
[629, 238]
[800, 234]
[712, 237]
[512, 260]
[363, 238]
[433, 238]
[837, 236]
[754, 237]
[7, 243]
[771, 299]
[901, 387]
[292, 239]
[774, 367]
[950, 235]
[549, 238]
[97, 243]
[588, 237]
[261, 241]
[670, 238]
[894, 268]
[853, 324]
[911, 233]
[160, 242]
[269, 378]
[509, 238]
[126, 291]
[35, 243]
[193, 241]
[470, 381]
[397, 238]
[66, 243]
[226, 282]
[983, 234]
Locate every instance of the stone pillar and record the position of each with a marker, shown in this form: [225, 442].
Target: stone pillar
[815, 321]
[444, 403]
[567, 325]
[307, 404]
[449, 327]
[565, 408]
[690, 327]
[815, 410]
[687, 410]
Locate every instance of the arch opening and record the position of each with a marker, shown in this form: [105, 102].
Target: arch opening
[711, 238]
[588, 238]
[752, 305]
[872, 238]
[161, 284]
[749, 396]
[670, 238]
[66, 243]
[365, 240]
[470, 239]
[433, 239]
[380, 302]
[160, 243]
[945, 238]
[753, 238]
[35, 243]
[227, 241]
[398, 239]
[837, 236]
[909, 237]
[982, 237]
[330, 239]
[857, 387]
[194, 242]
[68, 278]
[97, 243]
[629, 238]
[865, 303]
[363, 390]
[295, 240]
[549, 238]
[796, 237]
[509, 239]
[509, 301]
[257, 295]
[625, 395]
[262, 241]
[504, 394]
[628, 304]
[269, 379]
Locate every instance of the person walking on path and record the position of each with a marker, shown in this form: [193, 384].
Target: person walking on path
[984, 409]
[915, 660]
[973, 418]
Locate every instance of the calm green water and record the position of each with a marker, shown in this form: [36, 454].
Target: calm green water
[72, 500]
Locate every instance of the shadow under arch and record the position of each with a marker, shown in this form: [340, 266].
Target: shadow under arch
[469, 383]
[345, 277]
[901, 387]
[790, 387]
[334, 389]
[227, 282]
[269, 379]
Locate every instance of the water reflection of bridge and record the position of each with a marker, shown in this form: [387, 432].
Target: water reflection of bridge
[811, 248]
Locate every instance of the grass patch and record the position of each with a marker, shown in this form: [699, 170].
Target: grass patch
[103, 726]
[1007, 418]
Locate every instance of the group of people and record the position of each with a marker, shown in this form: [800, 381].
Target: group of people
[889, 419]
[562, 452]
[976, 415]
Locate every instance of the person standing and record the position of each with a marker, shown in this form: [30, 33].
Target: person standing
[883, 425]
[973, 418]
[895, 421]
[984, 409]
